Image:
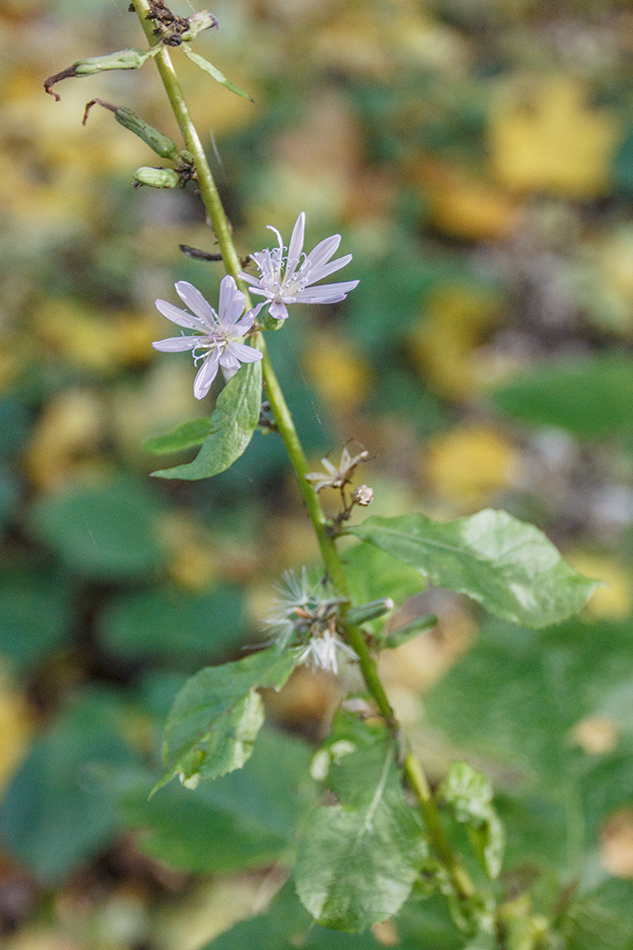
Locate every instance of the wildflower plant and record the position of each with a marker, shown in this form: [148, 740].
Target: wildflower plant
[357, 861]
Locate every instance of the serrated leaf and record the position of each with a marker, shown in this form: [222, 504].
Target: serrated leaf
[358, 859]
[356, 865]
[468, 793]
[189, 435]
[233, 738]
[212, 714]
[213, 71]
[233, 422]
[509, 567]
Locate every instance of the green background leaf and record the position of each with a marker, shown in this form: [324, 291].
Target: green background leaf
[246, 820]
[590, 396]
[59, 809]
[159, 625]
[104, 531]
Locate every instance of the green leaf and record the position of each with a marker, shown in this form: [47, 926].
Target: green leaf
[233, 739]
[163, 625]
[106, 531]
[358, 860]
[286, 925]
[213, 71]
[468, 793]
[245, 821]
[212, 714]
[233, 422]
[589, 396]
[508, 566]
[516, 701]
[189, 435]
[58, 810]
[35, 615]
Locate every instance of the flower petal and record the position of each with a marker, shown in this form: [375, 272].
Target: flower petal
[244, 353]
[319, 255]
[181, 317]
[330, 268]
[247, 321]
[229, 361]
[296, 245]
[229, 373]
[231, 303]
[206, 374]
[254, 281]
[278, 310]
[193, 299]
[176, 344]
[328, 293]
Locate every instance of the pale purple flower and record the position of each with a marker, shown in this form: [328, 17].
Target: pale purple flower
[217, 341]
[286, 279]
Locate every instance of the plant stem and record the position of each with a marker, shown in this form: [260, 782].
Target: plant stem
[213, 204]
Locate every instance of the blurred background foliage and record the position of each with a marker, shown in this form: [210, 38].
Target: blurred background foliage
[477, 156]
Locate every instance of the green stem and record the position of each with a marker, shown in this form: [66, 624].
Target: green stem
[213, 204]
[206, 183]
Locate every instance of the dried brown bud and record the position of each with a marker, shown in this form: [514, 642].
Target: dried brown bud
[363, 495]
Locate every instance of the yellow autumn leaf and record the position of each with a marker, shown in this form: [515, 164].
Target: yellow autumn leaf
[616, 844]
[466, 206]
[548, 138]
[469, 464]
[455, 321]
[67, 436]
[192, 558]
[613, 601]
[340, 378]
[15, 729]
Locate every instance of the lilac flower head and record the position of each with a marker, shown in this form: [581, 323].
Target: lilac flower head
[217, 341]
[286, 279]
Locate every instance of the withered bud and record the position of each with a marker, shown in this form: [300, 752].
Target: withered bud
[363, 495]
[122, 59]
[198, 22]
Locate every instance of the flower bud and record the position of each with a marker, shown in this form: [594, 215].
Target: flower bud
[370, 611]
[157, 177]
[271, 323]
[159, 143]
[197, 23]
[409, 631]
